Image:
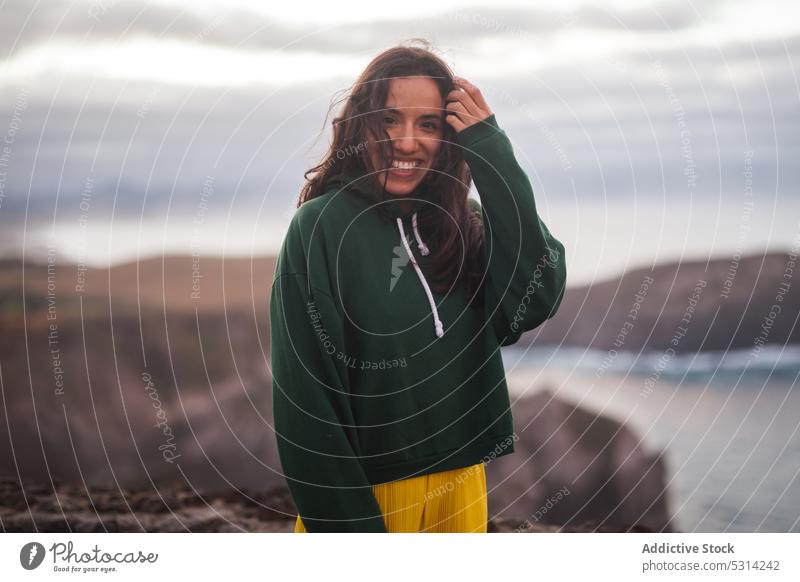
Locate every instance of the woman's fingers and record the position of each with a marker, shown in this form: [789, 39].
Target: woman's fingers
[467, 104]
[462, 106]
[452, 117]
[461, 98]
[474, 93]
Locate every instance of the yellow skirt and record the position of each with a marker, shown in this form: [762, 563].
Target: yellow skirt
[449, 501]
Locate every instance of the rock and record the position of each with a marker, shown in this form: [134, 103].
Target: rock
[572, 467]
[70, 508]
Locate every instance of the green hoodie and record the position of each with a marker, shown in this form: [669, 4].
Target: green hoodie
[377, 377]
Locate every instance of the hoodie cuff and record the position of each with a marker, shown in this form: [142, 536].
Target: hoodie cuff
[479, 131]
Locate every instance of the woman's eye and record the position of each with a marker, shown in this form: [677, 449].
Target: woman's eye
[388, 119]
[432, 125]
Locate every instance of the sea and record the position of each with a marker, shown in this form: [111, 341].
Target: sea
[728, 423]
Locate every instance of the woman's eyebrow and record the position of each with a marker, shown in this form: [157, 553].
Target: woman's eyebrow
[424, 116]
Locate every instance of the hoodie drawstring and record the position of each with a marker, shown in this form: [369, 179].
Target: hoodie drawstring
[424, 250]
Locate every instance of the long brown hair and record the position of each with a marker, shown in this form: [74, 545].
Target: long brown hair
[449, 223]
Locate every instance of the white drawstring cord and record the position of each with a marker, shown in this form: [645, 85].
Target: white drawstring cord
[422, 248]
[437, 322]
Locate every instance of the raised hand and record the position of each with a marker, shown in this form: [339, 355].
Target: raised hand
[465, 105]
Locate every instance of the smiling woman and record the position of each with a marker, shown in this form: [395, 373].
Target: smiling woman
[374, 448]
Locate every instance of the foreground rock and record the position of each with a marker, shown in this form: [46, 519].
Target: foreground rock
[37, 508]
[572, 466]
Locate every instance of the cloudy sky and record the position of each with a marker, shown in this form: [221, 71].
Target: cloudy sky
[651, 131]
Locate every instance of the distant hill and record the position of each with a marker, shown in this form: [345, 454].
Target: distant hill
[174, 283]
[729, 312]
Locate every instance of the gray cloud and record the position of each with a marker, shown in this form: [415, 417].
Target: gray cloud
[616, 128]
[23, 25]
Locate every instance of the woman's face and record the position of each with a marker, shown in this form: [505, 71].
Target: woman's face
[413, 120]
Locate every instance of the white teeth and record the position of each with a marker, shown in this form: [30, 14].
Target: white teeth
[404, 165]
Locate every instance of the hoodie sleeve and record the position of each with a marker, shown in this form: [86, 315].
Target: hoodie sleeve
[314, 424]
[526, 270]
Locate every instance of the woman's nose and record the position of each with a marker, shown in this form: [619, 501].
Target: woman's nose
[406, 141]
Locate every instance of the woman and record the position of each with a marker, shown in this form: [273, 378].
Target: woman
[393, 292]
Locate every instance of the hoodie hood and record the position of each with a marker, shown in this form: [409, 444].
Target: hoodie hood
[367, 186]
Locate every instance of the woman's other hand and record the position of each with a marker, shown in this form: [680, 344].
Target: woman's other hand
[465, 105]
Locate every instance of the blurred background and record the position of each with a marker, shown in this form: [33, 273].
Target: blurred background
[151, 158]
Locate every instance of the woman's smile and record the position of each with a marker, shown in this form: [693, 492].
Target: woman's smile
[405, 169]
